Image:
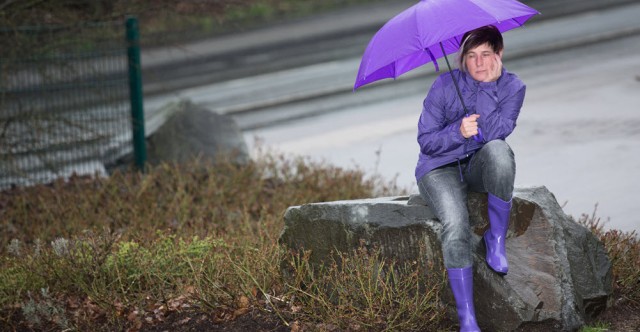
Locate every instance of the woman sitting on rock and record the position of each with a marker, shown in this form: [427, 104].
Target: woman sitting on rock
[462, 151]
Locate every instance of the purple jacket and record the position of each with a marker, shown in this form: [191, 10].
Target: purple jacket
[439, 137]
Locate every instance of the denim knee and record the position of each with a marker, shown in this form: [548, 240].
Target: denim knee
[499, 156]
[499, 169]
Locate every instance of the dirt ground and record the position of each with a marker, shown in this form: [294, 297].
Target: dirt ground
[622, 317]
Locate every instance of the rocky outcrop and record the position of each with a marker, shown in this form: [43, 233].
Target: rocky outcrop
[559, 273]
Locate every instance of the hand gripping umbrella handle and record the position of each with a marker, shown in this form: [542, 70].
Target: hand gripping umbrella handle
[477, 137]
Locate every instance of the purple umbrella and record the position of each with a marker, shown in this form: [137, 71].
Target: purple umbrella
[430, 29]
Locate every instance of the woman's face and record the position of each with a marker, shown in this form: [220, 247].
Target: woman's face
[480, 61]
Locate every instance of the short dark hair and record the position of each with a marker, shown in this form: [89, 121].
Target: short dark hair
[471, 39]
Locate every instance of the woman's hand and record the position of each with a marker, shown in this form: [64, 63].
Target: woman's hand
[469, 125]
[495, 69]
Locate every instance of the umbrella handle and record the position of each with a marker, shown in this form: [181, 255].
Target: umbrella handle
[479, 137]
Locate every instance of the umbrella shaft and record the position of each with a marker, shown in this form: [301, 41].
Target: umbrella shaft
[455, 82]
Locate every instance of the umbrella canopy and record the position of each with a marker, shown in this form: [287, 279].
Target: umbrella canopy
[420, 33]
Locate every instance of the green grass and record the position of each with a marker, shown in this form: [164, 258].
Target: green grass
[599, 327]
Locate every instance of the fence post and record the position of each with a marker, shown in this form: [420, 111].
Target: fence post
[136, 97]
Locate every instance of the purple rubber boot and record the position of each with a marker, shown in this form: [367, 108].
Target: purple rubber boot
[496, 235]
[461, 281]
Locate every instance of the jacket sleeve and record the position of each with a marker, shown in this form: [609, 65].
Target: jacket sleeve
[498, 114]
[435, 134]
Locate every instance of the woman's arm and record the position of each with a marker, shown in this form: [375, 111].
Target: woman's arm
[435, 134]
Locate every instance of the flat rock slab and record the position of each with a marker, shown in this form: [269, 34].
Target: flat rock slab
[559, 272]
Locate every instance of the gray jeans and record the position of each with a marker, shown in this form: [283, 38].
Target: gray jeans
[491, 169]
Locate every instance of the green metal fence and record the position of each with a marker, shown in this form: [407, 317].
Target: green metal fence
[64, 101]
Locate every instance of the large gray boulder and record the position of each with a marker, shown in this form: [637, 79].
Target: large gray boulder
[191, 132]
[559, 273]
